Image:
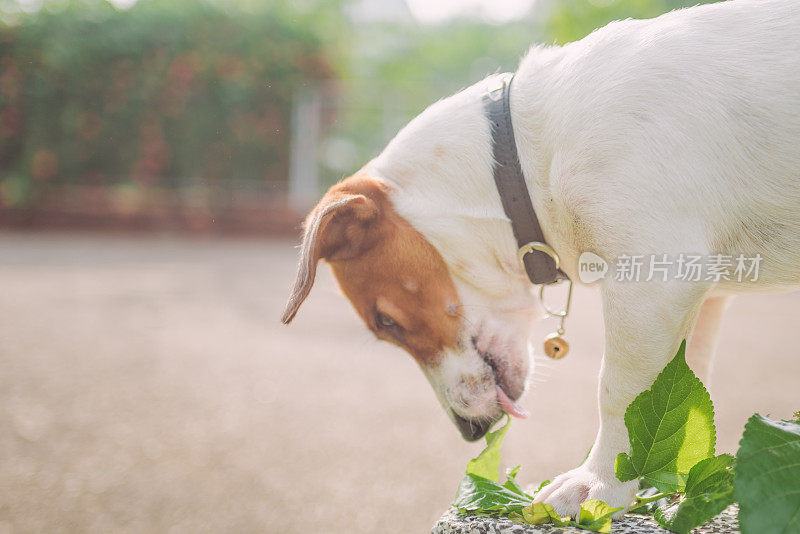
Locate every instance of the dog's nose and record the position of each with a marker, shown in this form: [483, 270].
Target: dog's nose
[473, 430]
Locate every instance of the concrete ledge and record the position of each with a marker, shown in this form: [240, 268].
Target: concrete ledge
[454, 523]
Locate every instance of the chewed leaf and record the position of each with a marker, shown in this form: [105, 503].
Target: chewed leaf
[480, 491]
[516, 516]
[487, 463]
[670, 428]
[539, 513]
[478, 494]
[596, 515]
[709, 490]
[768, 476]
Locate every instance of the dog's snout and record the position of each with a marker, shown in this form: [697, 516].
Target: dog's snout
[472, 429]
[478, 382]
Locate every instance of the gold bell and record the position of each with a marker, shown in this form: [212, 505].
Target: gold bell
[555, 346]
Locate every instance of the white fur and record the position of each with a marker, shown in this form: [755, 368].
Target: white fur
[675, 135]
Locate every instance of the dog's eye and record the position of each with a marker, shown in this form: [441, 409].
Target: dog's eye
[384, 321]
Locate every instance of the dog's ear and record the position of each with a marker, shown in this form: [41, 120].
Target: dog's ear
[336, 229]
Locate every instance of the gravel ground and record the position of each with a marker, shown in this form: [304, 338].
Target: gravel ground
[147, 386]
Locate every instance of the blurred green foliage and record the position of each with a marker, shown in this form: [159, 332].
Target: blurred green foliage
[174, 92]
[163, 92]
[393, 71]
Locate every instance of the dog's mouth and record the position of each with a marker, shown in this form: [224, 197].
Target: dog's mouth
[474, 429]
[507, 403]
[506, 396]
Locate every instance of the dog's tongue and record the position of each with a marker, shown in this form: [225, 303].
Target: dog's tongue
[509, 406]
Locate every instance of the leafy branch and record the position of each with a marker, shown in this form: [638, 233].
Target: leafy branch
[672, 450]
[480, 492]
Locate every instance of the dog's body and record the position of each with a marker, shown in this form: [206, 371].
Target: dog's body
[677, 135]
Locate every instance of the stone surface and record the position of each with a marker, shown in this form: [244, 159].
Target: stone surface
[454, 523]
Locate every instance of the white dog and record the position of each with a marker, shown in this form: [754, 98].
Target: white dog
[678, 135]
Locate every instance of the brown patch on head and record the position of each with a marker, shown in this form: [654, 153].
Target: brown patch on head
[396, 280]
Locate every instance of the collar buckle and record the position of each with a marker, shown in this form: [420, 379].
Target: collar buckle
[537, 246]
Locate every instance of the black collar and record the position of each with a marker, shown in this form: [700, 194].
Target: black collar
[540, 260]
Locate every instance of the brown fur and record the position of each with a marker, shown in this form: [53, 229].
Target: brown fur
[382, 265]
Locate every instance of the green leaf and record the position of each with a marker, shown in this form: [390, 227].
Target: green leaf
[516, 516]
[478, 494]
[512, 484]
[670, 428]
[644, 509]
[709, 490]
[539, 513]
[596, 515]
[480, 491]
[553, 517]
[487, 463]
[767, 476]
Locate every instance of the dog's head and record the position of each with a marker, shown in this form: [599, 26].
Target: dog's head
[472, 349]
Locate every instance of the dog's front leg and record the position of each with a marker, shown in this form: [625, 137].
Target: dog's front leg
[645, 323]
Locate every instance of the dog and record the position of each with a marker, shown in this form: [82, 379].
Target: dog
[665, 137]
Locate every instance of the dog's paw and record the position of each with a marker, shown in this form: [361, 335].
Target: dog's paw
[568, 491]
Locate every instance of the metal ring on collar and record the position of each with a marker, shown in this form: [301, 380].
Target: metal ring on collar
[565, 311]
[539, 246]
